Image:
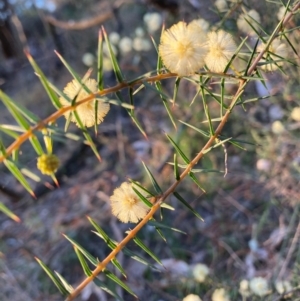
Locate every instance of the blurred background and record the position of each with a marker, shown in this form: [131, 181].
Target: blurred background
[252, 198]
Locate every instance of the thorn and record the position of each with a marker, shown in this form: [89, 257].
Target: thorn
[56, 182]
[16, 219]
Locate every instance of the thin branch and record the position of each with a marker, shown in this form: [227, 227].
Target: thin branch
[87, 23]
[52, 118]
[79, 25]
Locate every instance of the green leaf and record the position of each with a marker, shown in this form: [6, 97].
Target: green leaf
[68, 287]
[114, 61]
[160, 225]
[115, 262]
[290, 43]
[141, 78]
[105, 288]
[69, 68]
[115, 279]
[235, 54]
[146, 249]
[240, 141]
[150, 194]
[85, 253]
[53, 97]
[180, 152]
[111, 243]
[165, 102]
[253, 53]
[193, 177]
[86, 269]
[36, 145]
[96, 116]
[102, 233]
[54, 278]
[118, 265]
[153, 181]
[222, 96]
[9, 213]
[186, 204]
[206, 109]
[18, 175]
[28, 173]
[194, 98]
[19, 108]
[204, 88]
[254, 28]
[138, 258]
[160, 233]
[196, 170]
[117, 102]
[262, 80]
[100, 62]
[216, 145]
[167, 206]
[19, 117]
[252, 99]
[137, 90]
[2, 149]
[14, 112]
[10, 132]
[176, 87]
[83, 86]
[158, 91]
[204, 133]
[131, 111]
[142, 198]
[176, 170]
[159, 64]
[87, 136]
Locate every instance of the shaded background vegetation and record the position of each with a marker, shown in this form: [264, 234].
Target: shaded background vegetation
[257, 201]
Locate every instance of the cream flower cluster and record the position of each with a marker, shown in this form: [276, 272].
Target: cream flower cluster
[126, 205]
[185, 48]
[86, 111]
[244, 21]
[200, 272]
[182, 48]
[220, 294]
[221, 48]
[244, 288]
[191, 297]
[276, 51]
[259, 286]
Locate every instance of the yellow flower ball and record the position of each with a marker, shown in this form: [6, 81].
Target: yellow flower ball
[48, 164]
